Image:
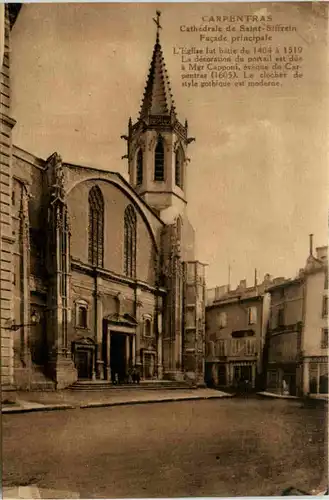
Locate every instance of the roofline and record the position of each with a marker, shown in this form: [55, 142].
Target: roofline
[286, 283]
[118, 174]
[233, 300]
[28, 157]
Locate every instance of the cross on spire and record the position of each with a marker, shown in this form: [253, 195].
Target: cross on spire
[157, 22]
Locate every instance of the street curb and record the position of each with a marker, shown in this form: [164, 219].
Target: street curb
[106, 404]
[278, 396]
[37, 408]
[290, 398]
[150, 401]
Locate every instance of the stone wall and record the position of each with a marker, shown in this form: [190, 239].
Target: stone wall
[6, 251]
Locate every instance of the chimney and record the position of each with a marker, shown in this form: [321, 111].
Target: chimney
[311, 245]
[322, 253]
[255, 277]
[243, 285]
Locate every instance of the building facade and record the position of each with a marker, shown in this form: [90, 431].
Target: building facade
[107, 266]
[236, 322]
[8, 17]
[315, 325]
[297, 340]
[283, 346]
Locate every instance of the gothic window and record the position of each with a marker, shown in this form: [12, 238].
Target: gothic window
[96, 227]
[130, 242]
[179, 229]
[179, 159]
[159, 161]
[139, 179]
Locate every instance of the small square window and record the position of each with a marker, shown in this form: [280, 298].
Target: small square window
[324, 338]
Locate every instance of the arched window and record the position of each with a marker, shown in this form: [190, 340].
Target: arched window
[179, 161]
[139, 177]
[81, 314]
[96, 227]
[159, 161]
[179, 229]
[130, 242]
[148, 327]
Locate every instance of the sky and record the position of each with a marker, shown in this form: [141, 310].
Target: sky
[258, 176]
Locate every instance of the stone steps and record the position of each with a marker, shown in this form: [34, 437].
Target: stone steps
[99, 385]
[39, 381]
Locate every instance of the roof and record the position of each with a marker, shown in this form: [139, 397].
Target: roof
[121, 177]
[286, 283]
[157, 98]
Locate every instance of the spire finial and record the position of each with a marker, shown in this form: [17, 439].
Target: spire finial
[157, 22]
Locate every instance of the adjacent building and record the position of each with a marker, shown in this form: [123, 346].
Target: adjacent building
[283, 343]
[296, 348]
[236, 322]
[314, 343]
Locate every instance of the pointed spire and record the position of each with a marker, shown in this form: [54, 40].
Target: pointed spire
[157, 99]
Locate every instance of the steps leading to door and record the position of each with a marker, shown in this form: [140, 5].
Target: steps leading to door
[99, 385]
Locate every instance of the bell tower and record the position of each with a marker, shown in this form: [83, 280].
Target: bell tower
[157, 142]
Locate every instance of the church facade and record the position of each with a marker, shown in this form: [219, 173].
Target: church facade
[100, 274]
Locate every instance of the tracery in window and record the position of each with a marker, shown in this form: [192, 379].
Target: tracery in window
[159, 161]
[96, 227]
[179, 162]
[130, 242]
[139, 177]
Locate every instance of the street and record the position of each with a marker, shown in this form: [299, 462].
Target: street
[231, 447]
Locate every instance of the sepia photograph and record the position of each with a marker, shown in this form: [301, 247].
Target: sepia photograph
[164, 249]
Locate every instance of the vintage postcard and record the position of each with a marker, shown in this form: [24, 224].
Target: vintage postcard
[164, 265]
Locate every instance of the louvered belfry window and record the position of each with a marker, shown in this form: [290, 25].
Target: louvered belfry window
[139, 179]
[159, 161]
[96, 227]
[179, 168]
[130, 242]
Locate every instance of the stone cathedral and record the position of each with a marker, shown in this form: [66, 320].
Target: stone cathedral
[99, 275]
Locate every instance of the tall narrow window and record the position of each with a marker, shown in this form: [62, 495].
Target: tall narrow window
[139, 179]
[252, 315]
[179, 158]
[96, 227]
[159, 161]
[130, 242]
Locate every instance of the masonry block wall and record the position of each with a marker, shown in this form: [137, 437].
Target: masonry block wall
[6, 240]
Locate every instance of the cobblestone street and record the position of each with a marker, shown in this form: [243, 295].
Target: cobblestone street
[198, 448]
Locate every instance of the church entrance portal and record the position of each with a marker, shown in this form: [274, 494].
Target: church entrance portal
[118, 361]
